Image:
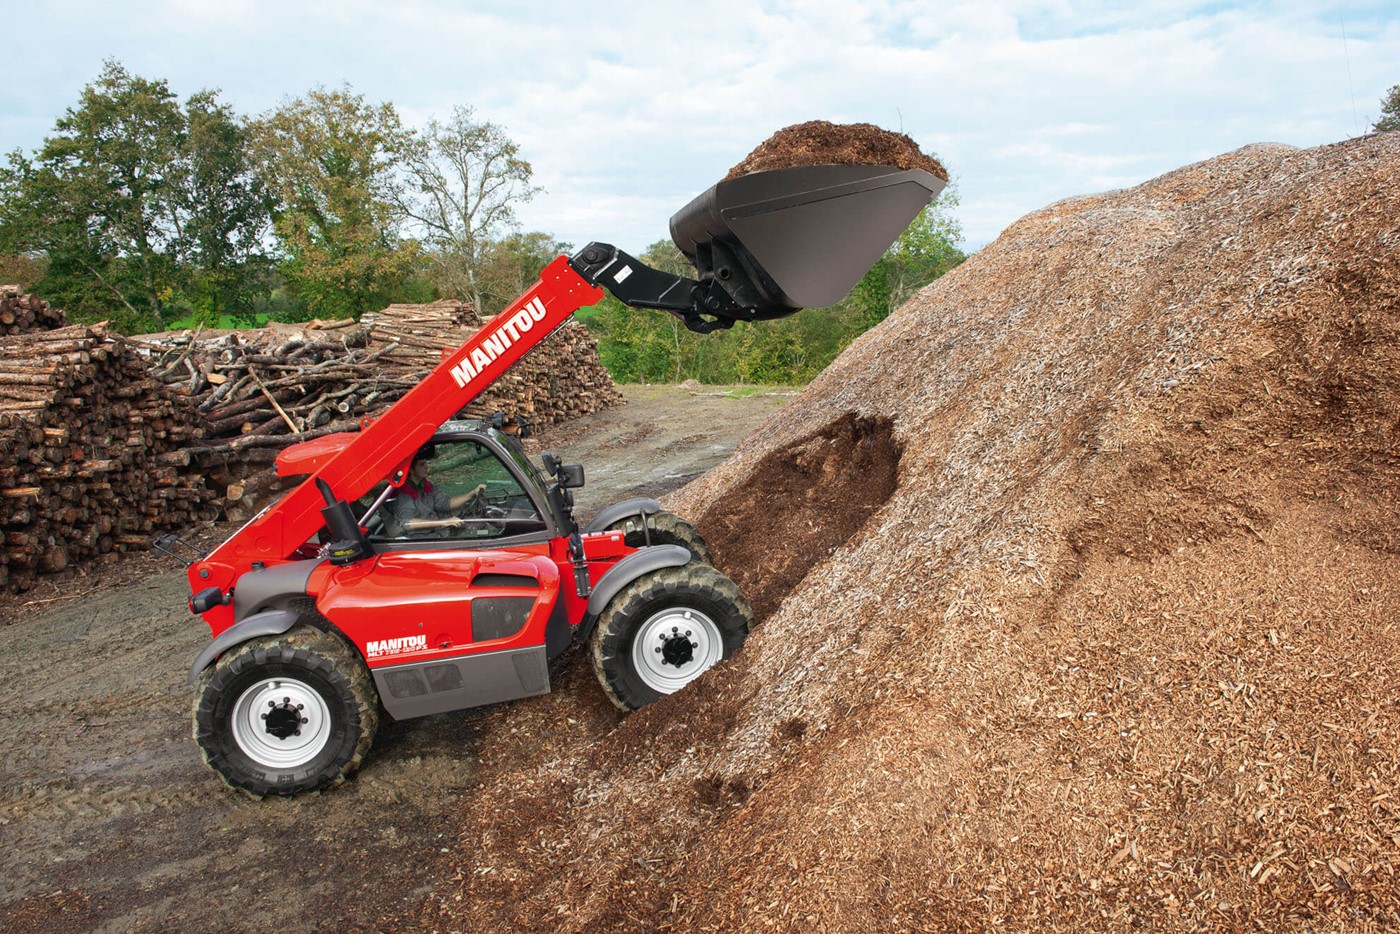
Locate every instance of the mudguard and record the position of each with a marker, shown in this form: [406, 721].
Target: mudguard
[266, 589]
[266, 623]
[628, 507]
[625, 572]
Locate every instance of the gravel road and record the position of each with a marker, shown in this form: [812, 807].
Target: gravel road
[110, 820]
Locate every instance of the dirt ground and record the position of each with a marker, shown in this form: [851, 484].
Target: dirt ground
[111, 821]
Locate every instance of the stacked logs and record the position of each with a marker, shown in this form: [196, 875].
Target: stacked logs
[93, 452]
[422, 320]
[255, 392]
[20, 313]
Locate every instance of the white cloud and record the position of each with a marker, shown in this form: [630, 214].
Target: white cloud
[628, 110]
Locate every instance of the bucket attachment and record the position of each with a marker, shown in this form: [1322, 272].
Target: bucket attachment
[800, 237]
[770, 243]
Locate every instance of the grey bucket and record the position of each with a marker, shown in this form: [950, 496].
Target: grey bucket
[802, 237]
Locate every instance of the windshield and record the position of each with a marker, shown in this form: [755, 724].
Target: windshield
[458, 490]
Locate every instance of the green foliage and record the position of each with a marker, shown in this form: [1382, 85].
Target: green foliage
[228, 217]
[22, 269]
[466, 177]
[1390, 111]
[510, 265]
[652, 346]
[118, 202]
[330, 162]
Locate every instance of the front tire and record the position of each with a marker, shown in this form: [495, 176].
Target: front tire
[665, 629]
[286, 714]
[662, 528]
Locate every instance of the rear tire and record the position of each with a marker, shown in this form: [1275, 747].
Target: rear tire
[286, 714]
[662, 528]
[665, 629]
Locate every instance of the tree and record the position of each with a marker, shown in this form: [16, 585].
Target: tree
[121, 200]
[1390, 111]
[509, 266]
[467, 177]
[228, 214]
[330, 162]
[926, 250]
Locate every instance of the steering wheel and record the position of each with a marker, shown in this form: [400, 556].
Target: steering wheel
[478, 508]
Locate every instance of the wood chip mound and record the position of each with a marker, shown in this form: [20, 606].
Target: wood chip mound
[1117, 650]
[819, 142]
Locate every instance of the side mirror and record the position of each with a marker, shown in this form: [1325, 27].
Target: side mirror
[570, 476]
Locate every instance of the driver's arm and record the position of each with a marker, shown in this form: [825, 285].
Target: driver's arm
[456, 501]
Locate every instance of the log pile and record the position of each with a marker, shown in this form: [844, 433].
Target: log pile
[93, 452]
[106, 441]
[422, 320]
[20, 313]
[255, 392]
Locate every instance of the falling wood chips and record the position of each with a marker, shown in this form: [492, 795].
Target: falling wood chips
[1118, 650]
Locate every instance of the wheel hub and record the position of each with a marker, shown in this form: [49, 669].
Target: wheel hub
[281, 723]
[674, 647]
[284, 720]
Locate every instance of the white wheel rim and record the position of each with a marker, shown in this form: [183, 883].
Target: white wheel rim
[282, 699]
[658, 650]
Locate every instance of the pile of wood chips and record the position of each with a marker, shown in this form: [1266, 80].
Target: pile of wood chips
[1118, 651]
[818, 142]
[92, 458]
[20, 312]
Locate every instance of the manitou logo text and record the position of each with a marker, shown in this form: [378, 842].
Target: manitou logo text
[505, 335]
[377, 647]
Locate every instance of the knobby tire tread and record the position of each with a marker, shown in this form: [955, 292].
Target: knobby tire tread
[694, 584]
[317, 652]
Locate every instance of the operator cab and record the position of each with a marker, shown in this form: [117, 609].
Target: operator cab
[472, 486]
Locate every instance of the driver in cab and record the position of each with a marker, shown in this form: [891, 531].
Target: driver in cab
[421, 509]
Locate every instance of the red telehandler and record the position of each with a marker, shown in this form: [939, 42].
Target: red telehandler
[322, 614]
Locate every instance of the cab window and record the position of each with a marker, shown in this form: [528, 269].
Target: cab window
[460, 492]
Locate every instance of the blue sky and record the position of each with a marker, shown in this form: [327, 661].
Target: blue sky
[627, 110]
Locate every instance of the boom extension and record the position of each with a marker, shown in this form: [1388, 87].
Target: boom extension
[702, 307]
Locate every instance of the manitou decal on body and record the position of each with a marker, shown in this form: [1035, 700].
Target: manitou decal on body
[506, 334]
[379, 647]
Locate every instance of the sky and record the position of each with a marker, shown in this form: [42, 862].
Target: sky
[628, 110]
